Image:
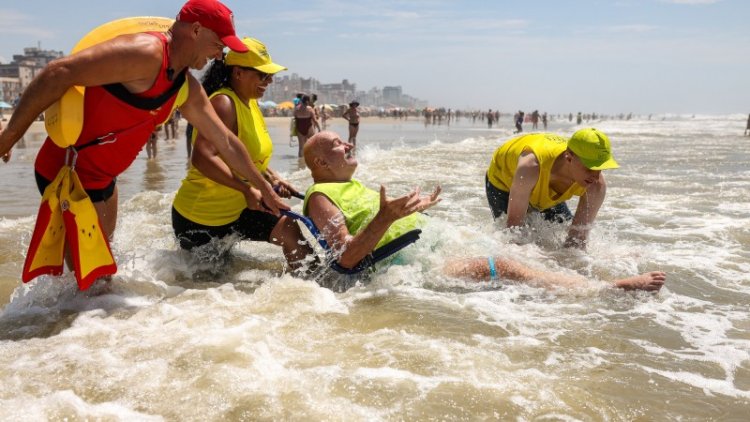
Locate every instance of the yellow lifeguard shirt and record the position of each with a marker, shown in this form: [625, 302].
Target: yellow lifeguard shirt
[546, 147]
[206, 202]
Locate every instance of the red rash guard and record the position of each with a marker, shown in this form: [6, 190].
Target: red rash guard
[114, 129]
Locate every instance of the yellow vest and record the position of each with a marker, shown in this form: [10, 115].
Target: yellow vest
[360, 205]
[206, 202]
[546, 147]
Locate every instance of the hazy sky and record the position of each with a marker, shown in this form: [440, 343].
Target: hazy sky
[644, 56]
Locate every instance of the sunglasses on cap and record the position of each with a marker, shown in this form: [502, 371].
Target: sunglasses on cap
[264, 77]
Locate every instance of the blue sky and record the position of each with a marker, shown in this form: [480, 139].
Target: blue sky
[644, 56]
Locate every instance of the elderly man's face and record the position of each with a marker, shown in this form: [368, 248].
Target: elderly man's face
[338, 155]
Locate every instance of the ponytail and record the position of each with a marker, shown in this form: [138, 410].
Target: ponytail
[216, 77]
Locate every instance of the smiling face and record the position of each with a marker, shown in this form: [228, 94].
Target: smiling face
[208, 46]
[330, 158]
[338, 154]
[250, 81]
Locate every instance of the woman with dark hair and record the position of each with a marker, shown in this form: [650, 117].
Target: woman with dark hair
[212, 202]
[352, 116]
[304, 119]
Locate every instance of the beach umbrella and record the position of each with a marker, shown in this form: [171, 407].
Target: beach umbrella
[270, 103]
[327, 107]
[3, 104]
[286, 105]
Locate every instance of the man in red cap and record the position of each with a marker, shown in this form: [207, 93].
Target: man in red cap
[132, 84]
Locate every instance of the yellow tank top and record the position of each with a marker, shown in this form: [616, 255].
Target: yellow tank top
[206, 202]
[546, 147]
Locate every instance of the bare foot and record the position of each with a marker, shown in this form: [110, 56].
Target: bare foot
[651, 281]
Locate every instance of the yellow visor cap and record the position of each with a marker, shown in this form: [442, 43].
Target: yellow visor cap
[593, 149]
[256, 57]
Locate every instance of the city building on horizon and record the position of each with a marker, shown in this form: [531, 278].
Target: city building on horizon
[285, 88]
[16, 76]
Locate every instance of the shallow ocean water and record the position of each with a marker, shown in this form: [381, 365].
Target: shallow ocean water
[239, 339]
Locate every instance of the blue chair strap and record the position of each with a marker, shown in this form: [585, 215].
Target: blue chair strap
[377, 255]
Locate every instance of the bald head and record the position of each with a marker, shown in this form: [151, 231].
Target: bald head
[328, 158]
[316, 146]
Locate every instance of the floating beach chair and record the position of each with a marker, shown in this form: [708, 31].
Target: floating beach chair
[376, 256]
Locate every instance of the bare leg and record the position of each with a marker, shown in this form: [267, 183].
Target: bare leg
[353, 130]
[301, 139]
[478, 269]
[286, 234]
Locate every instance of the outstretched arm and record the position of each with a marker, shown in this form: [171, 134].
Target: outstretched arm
[131, 59]
[524, 180]
[199, 112]
[353, 248]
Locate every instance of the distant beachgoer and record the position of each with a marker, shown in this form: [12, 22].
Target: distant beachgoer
[351, 115]
[544, 120]
[747, 129]
[535, 119]
[355, 220]
[297, 98]
[490, 119]
[518, 117]
[151, 149]
[304, 122]
[579, 118]
[323, 117]
[168, 129]
[313, 99]
[175, 123]
[543, 170]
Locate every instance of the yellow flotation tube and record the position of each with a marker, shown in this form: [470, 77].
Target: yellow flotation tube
[64, 119]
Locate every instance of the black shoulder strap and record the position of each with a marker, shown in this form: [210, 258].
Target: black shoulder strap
[119, 91]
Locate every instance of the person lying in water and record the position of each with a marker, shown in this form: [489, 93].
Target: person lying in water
[355, 220]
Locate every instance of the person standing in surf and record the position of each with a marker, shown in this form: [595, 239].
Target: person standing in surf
[541, 171]
[351, 115]
[214, 204]
[132, 83]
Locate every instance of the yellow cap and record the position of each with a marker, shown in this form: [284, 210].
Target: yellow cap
[257, 57]
[593, 148]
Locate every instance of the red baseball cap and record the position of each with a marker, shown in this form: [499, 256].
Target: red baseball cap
[214, 16]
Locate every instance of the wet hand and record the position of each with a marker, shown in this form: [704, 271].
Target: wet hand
[285, 189]
[253, 198]
[393, 209]
[6, 155]
[429, 201]
[272, 202]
